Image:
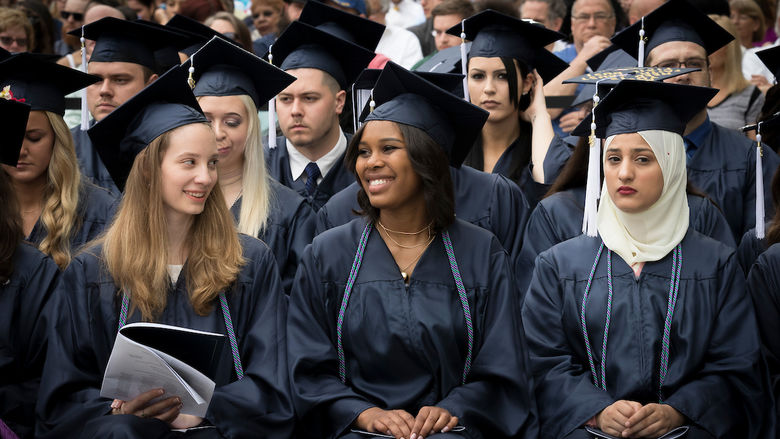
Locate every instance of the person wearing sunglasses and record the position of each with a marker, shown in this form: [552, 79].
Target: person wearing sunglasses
[72, 16]
[16, 33]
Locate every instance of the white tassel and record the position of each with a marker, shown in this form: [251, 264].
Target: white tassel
[84, 107]
[464, 61]
[641, 56]
[355, 114]
[592, 188]
[760, 232]
[271, 111]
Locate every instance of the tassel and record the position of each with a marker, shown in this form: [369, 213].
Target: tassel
[84, 107]
[592, 187]
[372, 103]
[191, 70]
[271, 110]
[355, 114]
[760, 226]
[641, 56]
[463, 60]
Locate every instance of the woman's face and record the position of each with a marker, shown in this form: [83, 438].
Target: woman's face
[36, 151]
[265, 18]
[745, 25]
[188, 169]
[15, 39]
[225, 28]
[230, 121]
[489, 88]
[632, 173]
[384, 168]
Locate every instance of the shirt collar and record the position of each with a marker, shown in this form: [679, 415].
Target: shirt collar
[298, 161]
[697, 136]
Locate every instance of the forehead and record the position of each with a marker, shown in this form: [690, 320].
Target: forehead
[677, 51]
[380, 129]
[307, 80]
[114, 68]
[486, 64]
[76, 5]
[534, 9]
[444, 22]
[591, 6]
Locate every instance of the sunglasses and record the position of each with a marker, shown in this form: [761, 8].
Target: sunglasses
[77, 16]
[7, 41]
[264, 14]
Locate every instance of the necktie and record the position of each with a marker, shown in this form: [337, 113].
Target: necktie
[312, 174]
[690, 148]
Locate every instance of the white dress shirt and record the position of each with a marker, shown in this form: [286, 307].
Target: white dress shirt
[298, 161]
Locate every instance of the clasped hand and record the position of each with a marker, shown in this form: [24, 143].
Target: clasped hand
[631, 419]
[402, 425]
[166, 410]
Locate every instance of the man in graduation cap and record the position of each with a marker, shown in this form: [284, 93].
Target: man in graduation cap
[308, 158]
[721, 162]
[127, 56]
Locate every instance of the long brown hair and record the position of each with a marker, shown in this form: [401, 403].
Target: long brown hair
[10, 226]
[135, 248]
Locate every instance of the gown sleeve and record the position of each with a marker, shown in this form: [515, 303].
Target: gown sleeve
[318, 393]
[259, 405]
[299, 235]
[565, 392]
[509, 214]
[711, 222]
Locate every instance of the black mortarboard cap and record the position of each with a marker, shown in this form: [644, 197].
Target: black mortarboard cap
[224, 69]
[493, 34]
[675, 20]
[444, 61]
[165, 104]
[43, 85]
[452, 82]
[353, 28]
[135, 42]
[303, 46]
[14, 115]
[771, 59]
[404, 97]
[197, 32]
[634, 106]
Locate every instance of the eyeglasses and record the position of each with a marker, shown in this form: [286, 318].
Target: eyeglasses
[77, 16]
[7, 41]
[598, 16]
[264, 14]
[693, 63]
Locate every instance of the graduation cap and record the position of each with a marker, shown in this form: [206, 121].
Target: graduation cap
[135, 42]
[675, 20]
[224, 69]
[494, 34]
[164, 105]
[771, 59]
[14, 115]
[197, 33]
[304, 46]
[404, 97]
[444, 61]
[630, 107]
[613, 76]
[41, 84]
[353, 28]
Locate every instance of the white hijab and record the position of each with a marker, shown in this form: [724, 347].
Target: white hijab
[652, 234]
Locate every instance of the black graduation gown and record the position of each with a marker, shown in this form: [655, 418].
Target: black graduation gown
[23, 336]
[288, 230]
[559, 217]
[489, 201]
[764, 287]
[278, 163]
[90, 163]
[405, 347]
[724, 167]
[749, 248]
[96, 210]
[716, 377]
[84, 327]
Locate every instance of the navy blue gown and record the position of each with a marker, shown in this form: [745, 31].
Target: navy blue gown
[288, 230]
[90, 163]
[83, 329]
[96, 210]
[405, 346]
[716, 376]
[278, 163]
[764, 287]
[490, 201]
[23, 336]
[750, 247]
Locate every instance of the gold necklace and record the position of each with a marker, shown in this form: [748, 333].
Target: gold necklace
[388, 231]
[404, 270]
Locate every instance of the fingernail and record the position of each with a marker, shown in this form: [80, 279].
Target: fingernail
[115, 405]
[445, 429]
[413, 436]
[160, 391]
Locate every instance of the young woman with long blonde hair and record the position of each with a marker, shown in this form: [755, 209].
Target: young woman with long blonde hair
[171, 256]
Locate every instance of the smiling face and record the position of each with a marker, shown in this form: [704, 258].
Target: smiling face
[36, 151]
[230, 121]
[632, 173]
[384, 168]
[489, 88]
[188, 170]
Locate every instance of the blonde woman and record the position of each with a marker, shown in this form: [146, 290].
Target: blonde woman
[230, 85]
[171, 256]
[738, 102]
[60, 210]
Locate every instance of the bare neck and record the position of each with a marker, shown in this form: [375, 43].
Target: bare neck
[179, 228]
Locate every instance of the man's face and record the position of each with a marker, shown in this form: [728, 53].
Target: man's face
[308, 109]
[679, 53]
[441, 23]
[536, 11]
[121, 80]
[72, 15]
[590, 18]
